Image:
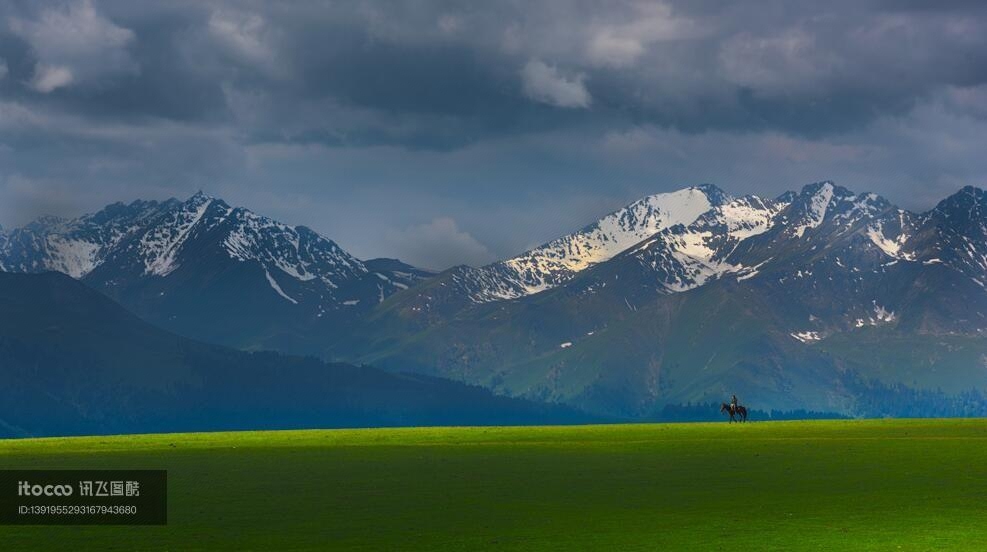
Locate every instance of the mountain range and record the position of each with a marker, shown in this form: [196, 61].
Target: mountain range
[204, 269]
[75, 362]
[820, 299]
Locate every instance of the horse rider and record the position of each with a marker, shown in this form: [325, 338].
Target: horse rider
[733, 404]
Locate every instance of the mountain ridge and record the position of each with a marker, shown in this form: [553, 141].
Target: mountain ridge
[675, 298]
[75, 362]
[163, 259]
[823, 266]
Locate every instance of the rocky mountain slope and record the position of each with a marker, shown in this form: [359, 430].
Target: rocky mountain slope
[208, 270]
[809, 300]
[821, 299]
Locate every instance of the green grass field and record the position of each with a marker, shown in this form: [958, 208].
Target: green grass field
[866, 485]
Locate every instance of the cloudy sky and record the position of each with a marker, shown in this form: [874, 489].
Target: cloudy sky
[460, 132]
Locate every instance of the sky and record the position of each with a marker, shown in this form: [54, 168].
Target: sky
[463, 132]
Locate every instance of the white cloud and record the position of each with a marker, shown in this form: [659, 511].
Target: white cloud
[778, 64]
[450, 24]
[47, 78]
[543, 83]
[620, 45]
[439, 244]
[246, 36]
[75, 44]
[3, 68]
[608, 47]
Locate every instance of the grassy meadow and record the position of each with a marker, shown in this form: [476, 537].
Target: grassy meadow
[819, 485]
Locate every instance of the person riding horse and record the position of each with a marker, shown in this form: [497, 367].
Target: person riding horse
[734, 409]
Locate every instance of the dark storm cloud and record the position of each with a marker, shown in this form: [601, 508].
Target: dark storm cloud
[443, 119]
[448, 69]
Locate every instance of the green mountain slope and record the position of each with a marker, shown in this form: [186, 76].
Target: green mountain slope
[632, 356]
[75, 362]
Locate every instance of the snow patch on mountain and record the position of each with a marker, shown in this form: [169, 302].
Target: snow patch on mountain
[748, 272]
[892, 247]
[160, 247]
[558, 261]
[71, 256]
[277, 288]
[816, 212]
[75, 247]
[747, 216]
[277, 245]
[695, 260]
[881, 316]
[806, 337]
[125, 247]
[615, 232]
[683, 258]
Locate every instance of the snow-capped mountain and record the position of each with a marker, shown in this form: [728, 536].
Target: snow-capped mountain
[559, 260]
[207, 269]
[835, 259]
[953, 234]
[75, 246]
[204, 229]
[821, 298]
[685, 256]
[840, 261]
[678, 247]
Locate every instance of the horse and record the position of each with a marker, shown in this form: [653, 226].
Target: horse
[742, 410]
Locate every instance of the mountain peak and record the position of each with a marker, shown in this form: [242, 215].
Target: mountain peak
[46, 220]
[825, 187]
[967, 195]
[558, 261]
[968, 206]
[198, 199]
[786, 197]
[188, 265]
[715, 195]
[820, 200]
